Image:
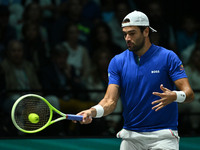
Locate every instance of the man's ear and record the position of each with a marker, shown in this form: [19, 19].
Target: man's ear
[146, 32]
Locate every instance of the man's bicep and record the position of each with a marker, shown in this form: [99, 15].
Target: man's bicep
[113, 92]
[114, 72]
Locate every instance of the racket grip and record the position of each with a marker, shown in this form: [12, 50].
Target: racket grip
[74, 117]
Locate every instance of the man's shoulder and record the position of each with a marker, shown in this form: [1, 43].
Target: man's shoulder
[119, 60]
[122, 55]
[166, 55]
[164, 51]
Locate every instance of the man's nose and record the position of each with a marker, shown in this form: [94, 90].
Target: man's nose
[127, 38]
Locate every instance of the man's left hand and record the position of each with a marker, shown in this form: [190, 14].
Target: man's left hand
[167, 97]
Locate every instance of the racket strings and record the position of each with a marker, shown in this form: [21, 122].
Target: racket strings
[31, 105]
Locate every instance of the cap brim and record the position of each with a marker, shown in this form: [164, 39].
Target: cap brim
[152, 29]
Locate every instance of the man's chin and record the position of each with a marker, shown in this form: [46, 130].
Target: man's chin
[131, 49]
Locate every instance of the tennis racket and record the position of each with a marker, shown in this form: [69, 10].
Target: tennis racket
[32, 113]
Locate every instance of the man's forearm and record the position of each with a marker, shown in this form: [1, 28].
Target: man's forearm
[108, 105]
[189, 95]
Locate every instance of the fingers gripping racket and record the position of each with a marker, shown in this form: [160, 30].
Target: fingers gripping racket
[32, 113]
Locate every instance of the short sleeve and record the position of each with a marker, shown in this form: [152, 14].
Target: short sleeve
[176, 69]
[113, 72]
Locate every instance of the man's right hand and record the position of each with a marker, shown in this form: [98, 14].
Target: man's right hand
[87, 116]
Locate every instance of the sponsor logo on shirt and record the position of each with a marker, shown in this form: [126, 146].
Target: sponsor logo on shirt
[155, 71]
[181, 67]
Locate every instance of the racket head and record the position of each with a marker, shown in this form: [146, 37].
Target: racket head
[27, 104]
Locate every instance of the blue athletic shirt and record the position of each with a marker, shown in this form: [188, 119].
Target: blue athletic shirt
[138, 78]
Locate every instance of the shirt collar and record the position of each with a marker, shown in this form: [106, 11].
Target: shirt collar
[147, 54]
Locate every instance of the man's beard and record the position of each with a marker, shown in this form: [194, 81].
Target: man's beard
[137, 47]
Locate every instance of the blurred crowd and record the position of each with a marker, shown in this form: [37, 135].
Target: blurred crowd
[61, 49]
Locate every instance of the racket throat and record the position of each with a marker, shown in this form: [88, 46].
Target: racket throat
[58, 119]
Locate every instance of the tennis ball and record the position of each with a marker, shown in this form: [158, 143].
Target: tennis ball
[33, 118]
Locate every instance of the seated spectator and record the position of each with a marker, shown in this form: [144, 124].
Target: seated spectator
[107, 9]
[71, 11]
[78, 55]
[101, 38]
[187, 35]
[7, 32]
[121, 9]
[34, 47]
[16, 15]
[60, 82]
[33, 14]
[193, 72]
[91, 11]
[48, 7]
[165, 35]
[187, 53]
[58, 74]
[19, 73]
[98, 80]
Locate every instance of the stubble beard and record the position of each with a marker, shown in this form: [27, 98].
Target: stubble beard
[138, 47]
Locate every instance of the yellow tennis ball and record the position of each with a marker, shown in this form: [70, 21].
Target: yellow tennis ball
[33, 118]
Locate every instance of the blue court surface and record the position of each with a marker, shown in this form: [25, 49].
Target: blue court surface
[186, 143]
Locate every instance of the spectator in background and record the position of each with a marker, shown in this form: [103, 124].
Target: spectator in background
[98, 80]
[165, 36]
[186, 54]
[48, 7]
[58, 74]
[98, 76]
[107, 9]
[193, 72]
[20, 74]
[67, 11]
[101, 38]
[16, 15]
[187, 35]
[33, 14]
[16, 8]
[7, 32]
[34, 47]
[121, 8]
[78, 55]
[60, 82]
[91, 11]
[70, 11]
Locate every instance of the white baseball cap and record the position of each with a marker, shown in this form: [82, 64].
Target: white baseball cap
[137, 18]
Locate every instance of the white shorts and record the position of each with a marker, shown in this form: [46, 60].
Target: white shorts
[165, 139]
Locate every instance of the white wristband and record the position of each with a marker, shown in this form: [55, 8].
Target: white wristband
[100, 111]
[181, 96]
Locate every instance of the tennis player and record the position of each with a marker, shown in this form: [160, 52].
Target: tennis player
[145, 75]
